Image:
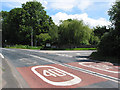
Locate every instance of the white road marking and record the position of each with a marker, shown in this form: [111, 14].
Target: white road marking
[81, 58]
[9, 49]
[1, 55]
[95, 73]
[45, 59]
[74, 81]
[78, 54]
[105, 68]
[82, 70]
[64, 55]
[27, 61]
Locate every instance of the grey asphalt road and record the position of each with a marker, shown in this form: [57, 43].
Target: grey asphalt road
[18, 58]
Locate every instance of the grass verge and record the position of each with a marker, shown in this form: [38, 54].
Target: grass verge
[24, 47]
[41, 48]
[81, 49]
[98, 56]
[69, 49]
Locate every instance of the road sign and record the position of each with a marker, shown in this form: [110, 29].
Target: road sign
[48, 45]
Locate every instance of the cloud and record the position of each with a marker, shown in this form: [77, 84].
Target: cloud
[68, 5]
[13, 5]
[84, 4]
[89, 21]
[61, 4]
[17, 3]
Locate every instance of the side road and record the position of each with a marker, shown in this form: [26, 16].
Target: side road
[10, 77]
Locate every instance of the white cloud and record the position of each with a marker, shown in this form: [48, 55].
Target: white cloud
[14, 3]
[68, 5]
[84, 4]
[65, 5]
[89, 21]
[61, 4]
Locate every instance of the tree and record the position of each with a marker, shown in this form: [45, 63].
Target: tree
[0, 20]
[36, 18]
[5, 27]
[100, 30]
[11, 25]
[114, 14]
[94, 40]
[24, 25]
[0, 29]
[74, 32]
[43, 38]
[110, 42]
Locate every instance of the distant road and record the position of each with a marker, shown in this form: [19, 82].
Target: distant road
[60, 69]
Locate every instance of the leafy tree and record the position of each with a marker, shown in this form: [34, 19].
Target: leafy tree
[43, 38]
[5, 26]
[15, 21]
[114, 14]
[24, 25]
[0, 20]
[53, 33]
[110, 43]
[0, 29]
[94, 40]
[74, 32]
[99, 31]
[35, 17]
[11, 25]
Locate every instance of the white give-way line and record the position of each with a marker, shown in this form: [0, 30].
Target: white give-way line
[1, 55]
[82, 70]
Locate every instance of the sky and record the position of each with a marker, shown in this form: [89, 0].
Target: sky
[92, 12]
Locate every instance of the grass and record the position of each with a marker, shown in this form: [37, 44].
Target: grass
[41, 48]
[81, 49]
[24, 47]
[98, 56]
[69, 49]
[2, 69]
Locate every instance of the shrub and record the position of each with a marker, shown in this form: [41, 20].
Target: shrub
[110, 44]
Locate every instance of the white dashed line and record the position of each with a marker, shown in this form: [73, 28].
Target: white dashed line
[65, 55]
[1, 55]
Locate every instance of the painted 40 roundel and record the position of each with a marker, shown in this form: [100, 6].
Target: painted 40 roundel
[55, 76]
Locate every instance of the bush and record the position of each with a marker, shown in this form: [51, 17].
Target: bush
[110, 44]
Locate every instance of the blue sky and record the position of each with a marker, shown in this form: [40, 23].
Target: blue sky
[92, 12]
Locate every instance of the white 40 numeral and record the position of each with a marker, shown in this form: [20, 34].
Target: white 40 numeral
[53, 72]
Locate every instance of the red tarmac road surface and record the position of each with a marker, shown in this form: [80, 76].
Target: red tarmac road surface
[103, 68]
[57, 76]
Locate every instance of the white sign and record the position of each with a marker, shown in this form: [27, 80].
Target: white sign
[48, 45]
[54, 72]
[99, 66]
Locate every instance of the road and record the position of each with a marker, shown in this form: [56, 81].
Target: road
[57, 69]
